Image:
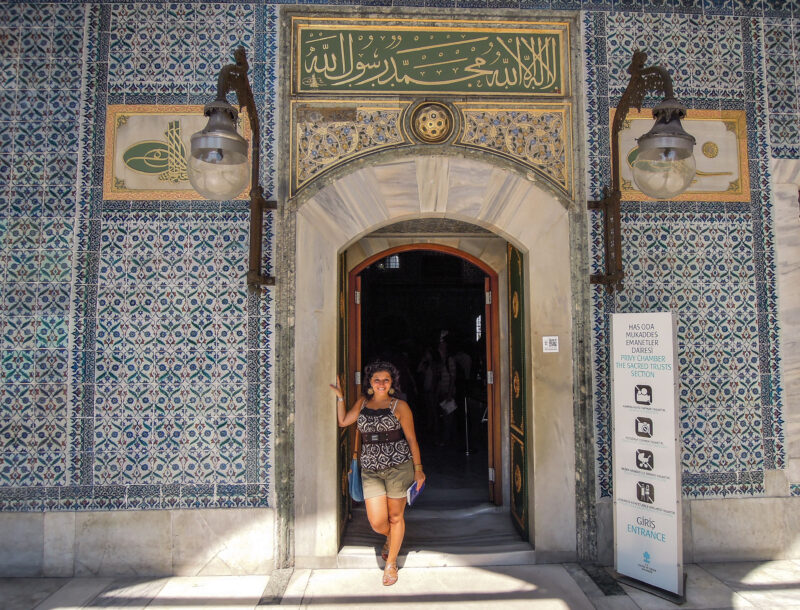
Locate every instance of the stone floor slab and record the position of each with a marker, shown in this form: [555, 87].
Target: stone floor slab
[766, 584]
[703, 590]
[129, 593]
[25, 593]
[545, 587]
[240, 592]
[76, 593]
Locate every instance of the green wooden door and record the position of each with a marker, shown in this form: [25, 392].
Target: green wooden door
[517, 391]
[343, 452]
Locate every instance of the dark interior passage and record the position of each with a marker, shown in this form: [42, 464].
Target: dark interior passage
[424, 311]
[409, 301]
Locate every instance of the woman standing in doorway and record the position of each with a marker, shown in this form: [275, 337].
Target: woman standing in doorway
[390, 459]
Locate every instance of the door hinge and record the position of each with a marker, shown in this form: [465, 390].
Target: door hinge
[489, 377]
[358, 377]
[491, 475]
[358, 297]
[489, 297]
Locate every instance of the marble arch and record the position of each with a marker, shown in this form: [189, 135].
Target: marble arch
[548, 230]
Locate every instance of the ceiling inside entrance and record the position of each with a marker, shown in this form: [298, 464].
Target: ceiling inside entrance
[432, 226]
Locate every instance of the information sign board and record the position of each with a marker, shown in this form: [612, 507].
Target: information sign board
[647, 489]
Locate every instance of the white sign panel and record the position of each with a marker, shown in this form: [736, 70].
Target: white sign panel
[550, 345]
[647, 487]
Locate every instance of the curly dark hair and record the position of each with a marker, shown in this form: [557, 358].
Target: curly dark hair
[376, 367]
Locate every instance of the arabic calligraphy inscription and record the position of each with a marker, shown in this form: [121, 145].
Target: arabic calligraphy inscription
[445, 59]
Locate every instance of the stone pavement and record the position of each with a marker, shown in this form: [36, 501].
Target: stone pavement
[774, 584]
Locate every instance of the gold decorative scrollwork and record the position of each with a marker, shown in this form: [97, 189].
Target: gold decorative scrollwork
[517, 478]
[321, 145]
[533, 137]
[517, 384]
[515, 305]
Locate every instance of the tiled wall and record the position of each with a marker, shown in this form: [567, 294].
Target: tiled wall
[782, 40]
[136, 368]
[40, 108]
[711, 263]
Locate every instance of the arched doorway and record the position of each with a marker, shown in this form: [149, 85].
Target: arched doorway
[413, 301]
[523, 213]
[432, 310]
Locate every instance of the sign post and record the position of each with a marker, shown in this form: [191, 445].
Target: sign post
[648, 540]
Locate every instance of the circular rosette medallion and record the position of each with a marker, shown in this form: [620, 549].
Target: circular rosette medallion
[517, 478]
[432, 122]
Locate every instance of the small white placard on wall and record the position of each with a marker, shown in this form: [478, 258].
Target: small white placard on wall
[549, 344]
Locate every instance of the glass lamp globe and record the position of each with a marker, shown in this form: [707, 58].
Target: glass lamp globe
[218, 166]
[665, 165]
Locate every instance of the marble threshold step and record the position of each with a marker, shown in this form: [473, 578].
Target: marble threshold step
[480, 535]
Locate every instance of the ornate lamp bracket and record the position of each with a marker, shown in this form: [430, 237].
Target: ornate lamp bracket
[233, 77]
[643, 80]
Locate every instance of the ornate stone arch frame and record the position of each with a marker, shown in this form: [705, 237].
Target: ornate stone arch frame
[321, 217]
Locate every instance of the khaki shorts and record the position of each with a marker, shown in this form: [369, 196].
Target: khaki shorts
[392, 482]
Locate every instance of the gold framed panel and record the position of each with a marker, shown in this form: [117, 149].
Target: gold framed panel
[369, 56]
[145, 150]
[720, 153]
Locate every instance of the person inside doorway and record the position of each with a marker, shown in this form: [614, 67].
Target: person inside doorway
[390, 457]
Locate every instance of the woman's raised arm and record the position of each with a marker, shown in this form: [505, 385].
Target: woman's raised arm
[343, 418]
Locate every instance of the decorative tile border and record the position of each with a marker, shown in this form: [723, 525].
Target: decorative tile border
[781, 54]
[38, 224]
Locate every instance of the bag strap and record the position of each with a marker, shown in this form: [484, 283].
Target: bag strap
[357, 439]
[393, 406]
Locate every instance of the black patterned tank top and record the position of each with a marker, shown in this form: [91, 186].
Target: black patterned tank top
[378, 456]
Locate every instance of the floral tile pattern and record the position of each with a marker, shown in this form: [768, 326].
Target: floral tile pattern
[160, 49]
[782, 45]
[707, 262]
[170, 375]
[135, 369]
[703, 53]
[39, 95]
[129, 342]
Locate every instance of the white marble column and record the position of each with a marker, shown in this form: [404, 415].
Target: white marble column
[786, 189]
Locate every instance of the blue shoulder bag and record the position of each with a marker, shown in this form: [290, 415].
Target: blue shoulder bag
[354, 474]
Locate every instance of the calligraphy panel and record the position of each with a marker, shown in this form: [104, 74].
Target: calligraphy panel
[146, 146]
[446, 57]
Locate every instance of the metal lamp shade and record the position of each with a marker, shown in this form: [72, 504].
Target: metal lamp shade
[218, 164]
[665, 164]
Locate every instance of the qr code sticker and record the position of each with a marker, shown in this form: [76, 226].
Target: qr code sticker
[550, 344]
